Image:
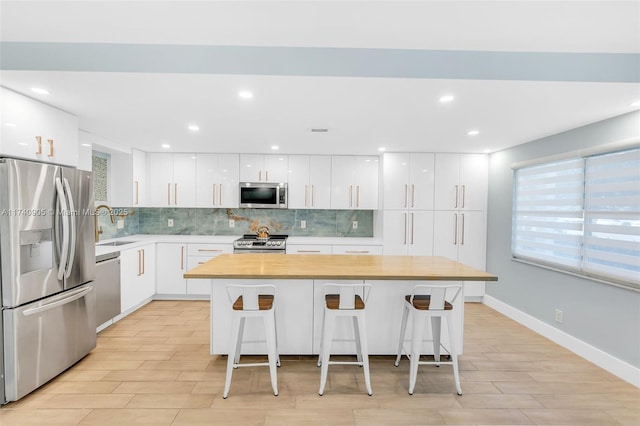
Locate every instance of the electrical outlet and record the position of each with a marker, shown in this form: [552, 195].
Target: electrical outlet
[232, 223]
[170, 223]
[120, 224]
[558, 315]
[354, 225]
[303, 224]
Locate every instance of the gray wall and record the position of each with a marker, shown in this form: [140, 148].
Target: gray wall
[602, 315]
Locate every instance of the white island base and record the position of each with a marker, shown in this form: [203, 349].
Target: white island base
[299, 305]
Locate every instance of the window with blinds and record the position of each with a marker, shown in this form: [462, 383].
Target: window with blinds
[581, 215]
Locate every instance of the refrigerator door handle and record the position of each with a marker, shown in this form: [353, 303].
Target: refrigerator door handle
[72, 228]
[65, 229]
[73, 295]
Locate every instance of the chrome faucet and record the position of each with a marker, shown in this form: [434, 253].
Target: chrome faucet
[99, 231]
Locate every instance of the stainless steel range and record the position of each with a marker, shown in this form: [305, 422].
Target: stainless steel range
[250, 243]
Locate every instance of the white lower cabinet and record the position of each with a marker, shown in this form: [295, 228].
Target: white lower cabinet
[171, 266]
[137, 277]
[198, 254]
[308, 248]
[356, 249]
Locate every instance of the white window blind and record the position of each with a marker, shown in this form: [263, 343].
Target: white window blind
[547, 223]
[612, 216]
[581, 215]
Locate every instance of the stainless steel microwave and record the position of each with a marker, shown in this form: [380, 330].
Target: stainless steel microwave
[263, 195]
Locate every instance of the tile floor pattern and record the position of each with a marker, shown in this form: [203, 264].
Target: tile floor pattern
[154, 368]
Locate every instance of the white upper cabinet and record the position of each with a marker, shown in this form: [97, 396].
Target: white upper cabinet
[354, 182]
[37, 131]
[217, 178]
[263, 168]
[309, 182]
[461, 181]
[171, 180]
[139, 181]
[408, 181]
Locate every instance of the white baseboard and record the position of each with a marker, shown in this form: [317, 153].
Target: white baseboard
[615, 366]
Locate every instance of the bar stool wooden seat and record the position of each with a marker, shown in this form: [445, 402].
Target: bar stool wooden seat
[247, 302]
[429, 302]
[344, 300]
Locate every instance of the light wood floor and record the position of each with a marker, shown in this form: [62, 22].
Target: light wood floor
[153, 367]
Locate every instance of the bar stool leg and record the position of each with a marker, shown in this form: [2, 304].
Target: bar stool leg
[233, 351]
[363, 349]
[240, 334]
[270, 331]
[321, 340]
[454, 354]
[327, 336]
[403, 329]
[436, 330]
[416, 348]
[356, 331]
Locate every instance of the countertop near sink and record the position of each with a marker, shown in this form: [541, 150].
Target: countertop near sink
[142, 239]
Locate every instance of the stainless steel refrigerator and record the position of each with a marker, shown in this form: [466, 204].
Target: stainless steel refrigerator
[47, 260]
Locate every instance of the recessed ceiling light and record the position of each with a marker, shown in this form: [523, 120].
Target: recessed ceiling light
[245, 94]
[86, 144]
[473, 132]
[636, 104]
[275, 147]
[39, 90]
[10, 124]
[165, 146]
[193, 127]
[446, 99]
[382, 149]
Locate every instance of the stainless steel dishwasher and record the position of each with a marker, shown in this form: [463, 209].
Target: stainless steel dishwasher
[107, 287]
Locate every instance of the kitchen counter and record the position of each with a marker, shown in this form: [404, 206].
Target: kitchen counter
[299, 281]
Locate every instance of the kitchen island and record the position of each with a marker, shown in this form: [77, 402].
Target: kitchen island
[299, 296]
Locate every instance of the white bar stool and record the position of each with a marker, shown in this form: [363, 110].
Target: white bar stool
[429, 302]
[344, 300]
[252, 301]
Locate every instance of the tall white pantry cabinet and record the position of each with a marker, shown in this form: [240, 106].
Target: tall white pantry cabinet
[435, 204]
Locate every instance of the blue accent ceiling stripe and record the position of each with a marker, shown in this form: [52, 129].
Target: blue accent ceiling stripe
[315, 61]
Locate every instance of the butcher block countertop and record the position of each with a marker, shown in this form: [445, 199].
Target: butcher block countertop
[336, 266]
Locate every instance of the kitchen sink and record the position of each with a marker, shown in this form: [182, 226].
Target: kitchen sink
[116, 243]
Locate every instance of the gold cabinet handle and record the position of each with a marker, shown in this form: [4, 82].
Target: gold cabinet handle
[305, 195]
[220, 194]
[406, 188]
[168, 194]
[350, 195]
[455, 228]
[259, 175]
[357, 251]
[181, 257]
[175, 194]
[209, 250]
[462, 238]
[413, 195]
[307, 251]
[266, 179]
[143, 262]
[313, 195]
[39, 139]
[139, 262]
[405, 228]
[358, 196]
[413, 224]
[213, 193]
[50, 147]
[463, 195]
[137, 192]
[456, 206]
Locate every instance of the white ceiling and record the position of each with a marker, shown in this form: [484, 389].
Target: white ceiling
[149, 104]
